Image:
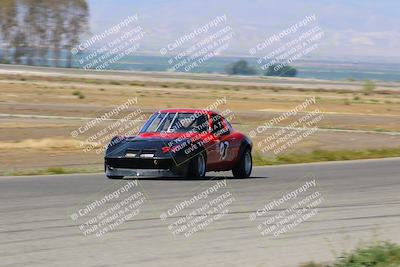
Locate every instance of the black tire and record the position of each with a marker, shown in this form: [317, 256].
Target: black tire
[115, 177]
[241, 169]
[195, 168]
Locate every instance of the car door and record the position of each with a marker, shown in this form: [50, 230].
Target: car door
[219, 148]
[233, 140]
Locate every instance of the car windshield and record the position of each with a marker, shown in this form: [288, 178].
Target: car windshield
[175, 122]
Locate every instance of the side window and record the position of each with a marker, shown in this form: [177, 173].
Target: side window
[201, 124]
[217, 125]
[230, 128]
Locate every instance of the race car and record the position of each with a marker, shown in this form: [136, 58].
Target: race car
[180, 142]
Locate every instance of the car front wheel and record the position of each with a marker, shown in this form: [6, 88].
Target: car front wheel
[197, 168]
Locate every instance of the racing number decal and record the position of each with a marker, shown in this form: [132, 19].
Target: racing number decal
[223, 149]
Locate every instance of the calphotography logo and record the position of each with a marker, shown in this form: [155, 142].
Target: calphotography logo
[277, 139]
[106, 50]
[198, 212]
[286, 212]
[204, 136]
[288, 46]
[196, 48]
[110, 211]
[98, 133]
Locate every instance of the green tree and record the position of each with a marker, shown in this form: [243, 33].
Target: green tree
[76, 25]
[20, 45]
[41, 30]
[8, 16]
[240, 67]
[31, 28]
[31, 23]
[1, 39]
[281, 71]
[57, 30]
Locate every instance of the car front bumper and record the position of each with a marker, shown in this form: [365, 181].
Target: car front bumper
[134, 167]
[139, 172]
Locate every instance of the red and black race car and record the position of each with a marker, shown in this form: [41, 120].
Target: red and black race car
[180, 142]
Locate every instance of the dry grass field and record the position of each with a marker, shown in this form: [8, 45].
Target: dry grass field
[38, 112]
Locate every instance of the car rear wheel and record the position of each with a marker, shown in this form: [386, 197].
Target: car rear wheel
[197, 167]
[244, 166]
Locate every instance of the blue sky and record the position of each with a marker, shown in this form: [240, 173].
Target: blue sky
[362, 28]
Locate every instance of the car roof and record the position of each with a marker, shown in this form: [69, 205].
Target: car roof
[188, 110]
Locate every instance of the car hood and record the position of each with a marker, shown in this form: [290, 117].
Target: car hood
[147, 141]
[168, 136]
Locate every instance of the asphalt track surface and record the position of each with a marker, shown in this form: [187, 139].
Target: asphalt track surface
[361, 203]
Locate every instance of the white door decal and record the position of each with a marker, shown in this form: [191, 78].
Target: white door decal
[223, 149]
